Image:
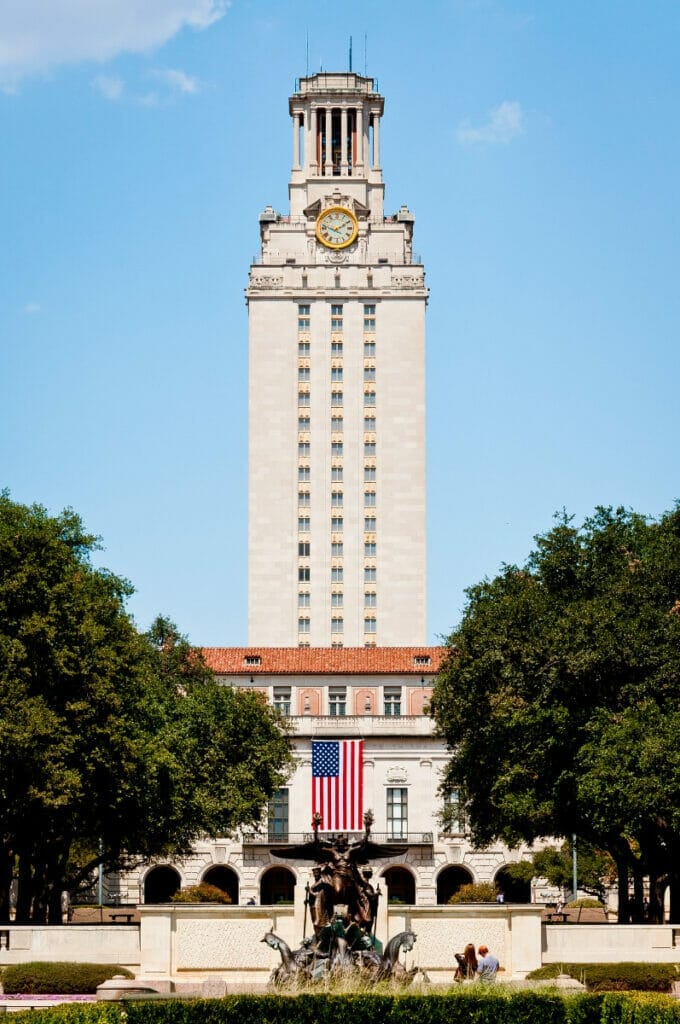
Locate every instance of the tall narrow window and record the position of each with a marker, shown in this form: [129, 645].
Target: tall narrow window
[337, 626]
[337, 700]
[336, 318]
[303, 625]
[454, 812]
[336, 398]
[369, 317]
[336, 499]
[304, 373]
[369, 524]
[303, 318]
[282, 699]
[337, 574]
[277, 816]
[303, 548]
[397, 812]
[393, 700]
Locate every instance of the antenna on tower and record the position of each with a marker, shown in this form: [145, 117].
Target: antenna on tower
[307, 54]
[365, 45]
[350, 53]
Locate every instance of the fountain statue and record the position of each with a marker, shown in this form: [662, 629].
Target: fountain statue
[343, 906]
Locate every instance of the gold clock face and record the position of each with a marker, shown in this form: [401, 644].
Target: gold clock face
[336, 227]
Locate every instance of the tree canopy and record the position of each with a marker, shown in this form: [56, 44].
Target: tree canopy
[107, 735]
[559, 697]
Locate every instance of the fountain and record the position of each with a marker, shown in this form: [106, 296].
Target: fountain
[343, 906]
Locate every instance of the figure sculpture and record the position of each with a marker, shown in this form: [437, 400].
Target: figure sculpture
[343, 907]
[339, 881]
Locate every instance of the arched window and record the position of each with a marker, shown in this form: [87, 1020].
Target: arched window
[401, 885]
[161, 884]
[514, 890]
[449, 881]
[223, 878]
[277, 885]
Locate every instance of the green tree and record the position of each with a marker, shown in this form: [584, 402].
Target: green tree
[595, 869]
[542, 677]
[108, 735]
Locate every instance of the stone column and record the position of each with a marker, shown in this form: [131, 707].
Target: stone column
[343, 137]
[314, 117]
[328, 167]
[376, 142]
[359, 134]
[296, 141]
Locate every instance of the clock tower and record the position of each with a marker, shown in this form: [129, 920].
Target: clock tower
[337, 392]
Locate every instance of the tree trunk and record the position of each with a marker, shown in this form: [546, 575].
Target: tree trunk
[622, 877]
[637, 915]
[6, 866]
[25, 890]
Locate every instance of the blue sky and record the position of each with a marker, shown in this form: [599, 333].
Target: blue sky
[536, 143]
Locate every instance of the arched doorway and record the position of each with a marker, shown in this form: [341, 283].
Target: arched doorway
[449, 881]
[401, 885]
[223, 878]
[514, 890]
[161, 884]
[277, 885]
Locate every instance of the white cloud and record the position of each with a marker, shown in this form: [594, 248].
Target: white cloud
[505, 123]
[177, 81]
[109, 86]
[37, 36]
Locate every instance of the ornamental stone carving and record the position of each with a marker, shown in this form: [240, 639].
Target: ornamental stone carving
[406, 281]
[397, 774]
[266, 280]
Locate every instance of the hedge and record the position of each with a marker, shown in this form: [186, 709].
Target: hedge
[480, 1006]
[58, 978]
[619, 977]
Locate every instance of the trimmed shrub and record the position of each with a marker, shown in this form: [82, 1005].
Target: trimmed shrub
[203, 893]
[623, 977]
[588, 902]
[38, 978]
[482, 892]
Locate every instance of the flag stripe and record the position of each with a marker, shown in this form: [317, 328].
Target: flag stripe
[337, 784]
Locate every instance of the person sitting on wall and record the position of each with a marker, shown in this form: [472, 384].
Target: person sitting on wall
[487, 965]
[467, 964]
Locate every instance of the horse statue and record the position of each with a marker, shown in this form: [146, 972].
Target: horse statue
[292, 963]
[388, 966]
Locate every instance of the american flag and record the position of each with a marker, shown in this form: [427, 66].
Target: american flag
[338, 784]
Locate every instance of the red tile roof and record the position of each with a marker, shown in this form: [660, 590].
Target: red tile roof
[235, 661]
